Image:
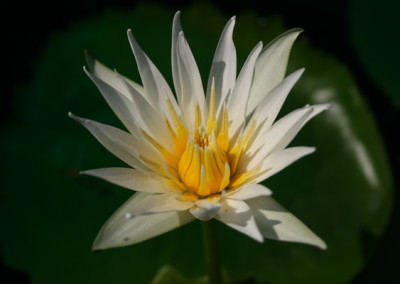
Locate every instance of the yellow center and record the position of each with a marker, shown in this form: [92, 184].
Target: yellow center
[202, 165]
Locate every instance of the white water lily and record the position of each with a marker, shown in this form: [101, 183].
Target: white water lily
[201, 155]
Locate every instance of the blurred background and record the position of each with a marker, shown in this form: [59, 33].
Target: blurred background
[50, 215]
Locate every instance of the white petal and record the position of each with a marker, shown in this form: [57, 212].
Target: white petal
[120, 103]
[248, 191]
[147, 118]
[176, 29]
[281, 134]
[267, 110]
[129, 178]
[237, 215]
[238, 100]
[275, 222]
[223, 68]
[159, 203]
[120, 143]
[108, 76]
[155, 86]
[206, 210]
[190, 91]
[271, 67]
[277, 161]
[119, 231]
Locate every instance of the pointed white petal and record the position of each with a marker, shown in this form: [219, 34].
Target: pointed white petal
[275, 222]
[190, 91]
[280, 134]
[120, 143]
[223, 67]
[277, 161]
[120, 231]
[155, 86]
[206, 210]
[129, 178]
[159, 203]
[120, 103]
[147, 118]
[271, 67]
[238, 100]
[176, 30]
[108, 76]
[248, 191]
[270, 106]
[237, 215]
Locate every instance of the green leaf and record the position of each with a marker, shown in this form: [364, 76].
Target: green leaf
[50, 215]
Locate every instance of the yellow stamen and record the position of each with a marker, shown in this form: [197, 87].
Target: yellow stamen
[202, 167]
[205, 167]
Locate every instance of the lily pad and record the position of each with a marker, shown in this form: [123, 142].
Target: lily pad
[50, 215]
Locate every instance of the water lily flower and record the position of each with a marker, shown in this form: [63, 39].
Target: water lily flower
[201, 155]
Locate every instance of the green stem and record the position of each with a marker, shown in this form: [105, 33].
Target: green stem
[212, 252]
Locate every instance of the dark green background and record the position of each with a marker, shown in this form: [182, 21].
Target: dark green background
[358, 33]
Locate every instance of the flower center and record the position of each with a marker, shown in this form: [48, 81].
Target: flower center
[204, 166]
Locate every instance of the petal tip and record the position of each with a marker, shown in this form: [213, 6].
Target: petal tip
[73, 116]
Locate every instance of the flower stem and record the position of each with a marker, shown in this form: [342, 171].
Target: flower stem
[212, 252]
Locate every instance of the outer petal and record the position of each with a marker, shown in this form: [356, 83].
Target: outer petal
[109, 76]
[128, 178]
[271, 67]
[119, 231]
[266, 112]
[186, 75]
[155, 86]
[249, 191]
[281, 134]
[188, 84]
[239, 97]
[120, 143]
[120, 103]
[275, 222]
[237, 215]
[146, 117]
[277, 161]
[159, 203]
[223, 68]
